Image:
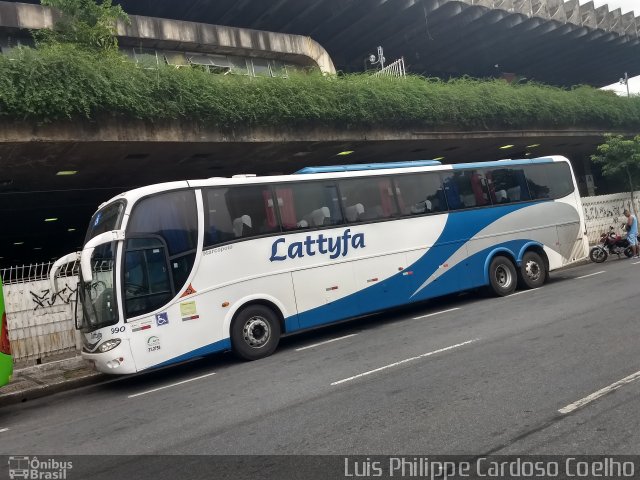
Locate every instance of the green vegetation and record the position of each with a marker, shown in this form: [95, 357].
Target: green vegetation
[83, 22]
[63, 80]
[619, 158]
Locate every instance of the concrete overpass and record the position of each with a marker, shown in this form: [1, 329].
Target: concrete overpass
[551, 41]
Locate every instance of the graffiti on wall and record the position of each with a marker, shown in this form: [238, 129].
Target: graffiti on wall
[45, 298]
[604, 210]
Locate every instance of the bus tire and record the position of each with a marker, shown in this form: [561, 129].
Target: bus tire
[255, 332]
[502, 276]
[533, 271]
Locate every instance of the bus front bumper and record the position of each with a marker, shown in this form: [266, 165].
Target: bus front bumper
[118, 361]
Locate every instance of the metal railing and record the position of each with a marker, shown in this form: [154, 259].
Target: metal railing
[40, 321]
[35, 272]
[395, 69]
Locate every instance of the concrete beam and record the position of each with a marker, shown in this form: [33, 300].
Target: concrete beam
[186, 132]
[182, 35]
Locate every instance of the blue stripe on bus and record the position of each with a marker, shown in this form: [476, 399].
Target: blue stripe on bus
[401, 289]
[219, 346]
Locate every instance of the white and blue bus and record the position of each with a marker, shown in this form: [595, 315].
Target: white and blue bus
[179, 270]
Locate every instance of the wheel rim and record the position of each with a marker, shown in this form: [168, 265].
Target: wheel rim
[503, 277]
[598, 253]
[256, 332]
[532, 270]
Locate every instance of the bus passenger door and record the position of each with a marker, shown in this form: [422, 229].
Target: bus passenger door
[325, 294]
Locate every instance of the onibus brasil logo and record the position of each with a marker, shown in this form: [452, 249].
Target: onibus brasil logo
[33, 468]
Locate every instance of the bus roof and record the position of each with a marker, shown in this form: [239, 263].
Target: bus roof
[368, 166]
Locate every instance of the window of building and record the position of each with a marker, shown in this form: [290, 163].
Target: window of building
[146, 57]
[278, 68]
[238, 65]
[261, 67]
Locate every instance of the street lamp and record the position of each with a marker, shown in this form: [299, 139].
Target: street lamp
[625, 81]
[379, 59]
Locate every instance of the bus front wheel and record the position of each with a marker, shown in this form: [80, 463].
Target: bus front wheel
[502, 276]
[255, 332]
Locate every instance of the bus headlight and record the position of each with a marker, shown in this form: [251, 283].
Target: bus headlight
[109, 345]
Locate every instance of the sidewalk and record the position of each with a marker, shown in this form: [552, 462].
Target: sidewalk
[37, 381]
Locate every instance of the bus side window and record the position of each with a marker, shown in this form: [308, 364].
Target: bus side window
[240, 212]
[508, 185]
[454, 199]
[538, 181]
[308, 205]
[559, 182]
[420, 193]
[368, 199]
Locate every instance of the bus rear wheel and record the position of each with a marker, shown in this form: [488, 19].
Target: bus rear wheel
[533, 271]
[255, 332]
[502, 276]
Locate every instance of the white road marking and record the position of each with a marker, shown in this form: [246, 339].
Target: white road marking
[405, 361]
[635, 263]
[325, 342]
[172, 385]
[603, 391]
[590, 275]
[521, 292]
[2, 430]
[436, 313]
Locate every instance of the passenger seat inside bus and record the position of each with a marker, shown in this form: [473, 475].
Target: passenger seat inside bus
[354, 212]
[421, 207]
[320, 216]
[501, 196]
[242, 226]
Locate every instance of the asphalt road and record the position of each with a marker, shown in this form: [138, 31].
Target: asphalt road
[473, 376]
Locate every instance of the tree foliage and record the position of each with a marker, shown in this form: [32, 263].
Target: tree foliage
[620, 156]
[86, 23]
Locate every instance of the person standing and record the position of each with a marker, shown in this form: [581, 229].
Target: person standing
[632, 232]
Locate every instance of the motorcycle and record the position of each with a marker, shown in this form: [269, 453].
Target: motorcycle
[611, 243]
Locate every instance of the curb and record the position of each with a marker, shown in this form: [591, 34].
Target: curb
[39, 385]
[66, 363]
[40, 391]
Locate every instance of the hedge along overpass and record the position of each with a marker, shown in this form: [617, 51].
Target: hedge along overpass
[552, 41]
[110, 156]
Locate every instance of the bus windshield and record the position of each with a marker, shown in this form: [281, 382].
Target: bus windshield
[97, 306]
[105, 220]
